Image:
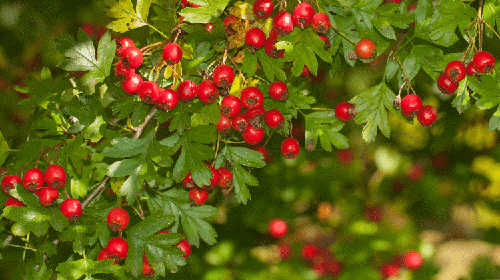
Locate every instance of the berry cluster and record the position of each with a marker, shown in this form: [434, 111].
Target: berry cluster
[411, 106]
[221, 177]
[411, 260]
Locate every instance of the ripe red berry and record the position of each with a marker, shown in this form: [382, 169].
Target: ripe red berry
[148, 92]
[345, 156]
[185, 247]
[214, 181]
[410, 105]
[147, 270]
[13, 202]
[118, 219]
[252, 135]
[230, 106]
[172, 53]
[117, 248]
[123, 73]
[413, 260]
[305, 71]
[283, 23]
[122, 44]
[228, 24]
[309, 251]
[255, 115]
[224, 124]
[131, 57]
[470, 69]
[225, 178]
[263, 8]
[131, 85]
[251, 98]
[33, 179]
[223, 75]
[320, 23]
[9, 181]
[345, 111]
[72, 209]
[389, 270]
[255, 39]
[427, 115]
[271, 50]
[456, 70]
[365, 48]
[303, 14]
[103, 255]
[285, 250]
[290, 148]
[167, 99]
[483, 62]
[320, 268]
[207, 91]
[188, 181]
[446, 85]
[274, 119]
[47, 195]
[240, 122]
[187, 90]
[278, 91]
[393, 1]
[373, 213]
[277, 227]
[198, 195]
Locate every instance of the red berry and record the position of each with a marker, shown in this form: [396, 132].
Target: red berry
[320, 268]
[185, 247]
[345, 156]
[290, 148]
[274, 119]
[252, 135]
[303, 14]
[365, 48]
[410, 105]
[278, 91]
[117, 248]
[13, 202]
[223, 75]
[470, 69]
[483, 62]
[47, 195]
[215, 178]
[167, 99]
[147, 270]
[103, 255]
[415, 172]
[456, 70]
[277, 227]
[131, 85]
[131, 57]
[148, 92]
[188, 181]
[345, 111]
[209, 27]
[225, 178]
[172, 53]
[118, 219]
[389, 270]
[123, 73]
[251, 98]
[393, 1]
[305, 71]
[263, 8]
[413, 260]
[122, 44]
[255, 115]
[228, 24]
[9, 181]
[271, 50]
[328, 45]
[187, 90]
[198, 195]
[208, 92]
[230, 106]
[320, 23]
[373, 213]
[446, 85]
[285, 250]
[309, 251]
[224, 125]
[255, 39]
[72, 209]
[427, 115]
[334, 267]
[283, 23]
[240, 122]
[33, 179]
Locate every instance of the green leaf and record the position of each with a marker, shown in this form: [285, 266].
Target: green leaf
[272, 66]
[209, 10]
[462, 101]
[490, 15]
[123, 107]
[209, 114]
[127, 17]
[127, 147]
[250, 63]
[73, 270]
[325, 126]
[246, 157]
[43, 273]
[76, 233]
[495, 120]
[488, 89]
[133, 185]
[76, 151]
[95, 131]
[4, 149]
[372, 105]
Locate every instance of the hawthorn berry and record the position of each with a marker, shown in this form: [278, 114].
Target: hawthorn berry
[224, 124]
[228, 24]
[33, 179]
[214, 181]
[303, 14]
[427, 115]
[393, 1]
[72, 209]
[223, 75]
[271, 50]
[274, 119]
[147, 270]
[415, 172]
[278, 91]
[309, 251]
[320, 23]
[8, 182]
[230, 106]
[320, 268]
[148, 92]
[131, 57]
[122, 44]
[277, 227]
[413, 260]
[13, 202]
[225, 178]
[207, 91]
[471, 71]
[483, 62]
[255, 39]
[263, 8]
[209, 27]
[325, 39]
[188, 181]
[123, 73]
[167, 99]
[251, 98]
[198, 195]
[456, 70]
[290, 148]
[446, 85]
[389, 270]
[117, 248]
[240, 122]
[253, 135]
[410, 105]
[365, 49]
[172, 53]
[131, 85]
[47, 195]
[185, 247]
[282, 23]
[345, 111]
[187, 90]
[305, 71]
[103, 255]
[118, 219]
[256, 115]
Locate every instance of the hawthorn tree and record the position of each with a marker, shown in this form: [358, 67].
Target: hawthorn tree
[118, 166]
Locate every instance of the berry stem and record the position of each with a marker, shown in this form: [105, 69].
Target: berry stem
[335, 27]
[491, 28]
[216, 149]
[481, 26]
[404, 72]
[232, 142]
[472, 40]
[140, 207]
[155, 29]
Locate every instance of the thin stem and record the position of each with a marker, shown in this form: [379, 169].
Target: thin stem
[149, 47]
[404, 73]
[321, 109]
[216, 149]
[270, 135]
[155, 29]
[232, 142]
[341, 33]
[237, 68]
[39, 156]
[492, 29]
[24, 247]
[140, 128]
[481, 26]
[140, 209]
